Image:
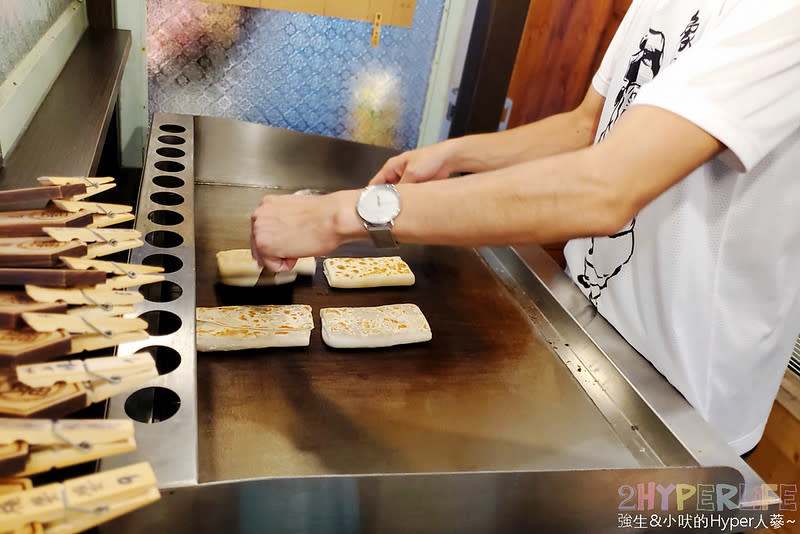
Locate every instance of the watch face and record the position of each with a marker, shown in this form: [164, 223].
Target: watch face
[379, 204]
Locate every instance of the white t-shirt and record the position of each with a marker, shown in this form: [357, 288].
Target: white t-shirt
[705, 281]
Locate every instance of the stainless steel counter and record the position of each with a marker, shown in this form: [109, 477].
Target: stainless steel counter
[521, 379]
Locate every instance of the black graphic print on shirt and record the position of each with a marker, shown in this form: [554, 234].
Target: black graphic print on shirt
[607, 256]
[688, 34]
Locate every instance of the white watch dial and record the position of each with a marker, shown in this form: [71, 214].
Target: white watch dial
[379, 204]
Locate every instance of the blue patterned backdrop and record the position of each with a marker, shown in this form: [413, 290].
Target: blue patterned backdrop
[305, 72]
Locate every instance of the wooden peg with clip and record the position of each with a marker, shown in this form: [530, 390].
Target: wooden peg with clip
[81, 503]
[53, 444]
[93, 185]
[113, 369]
[111, 267]
[67, 386]
[83, 324]
[30, 223]
[94, 297]
[103, 214]
[37, 251]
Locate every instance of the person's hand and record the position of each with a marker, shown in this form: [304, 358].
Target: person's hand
[287, 227]
[415, 166]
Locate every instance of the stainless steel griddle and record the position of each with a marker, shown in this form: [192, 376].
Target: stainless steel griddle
[522, 376]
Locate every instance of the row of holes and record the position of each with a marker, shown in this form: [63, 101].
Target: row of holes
[156, 404]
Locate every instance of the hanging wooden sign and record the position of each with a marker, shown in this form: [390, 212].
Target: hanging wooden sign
[393, 12]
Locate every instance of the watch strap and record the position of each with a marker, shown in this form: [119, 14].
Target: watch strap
[381, 235]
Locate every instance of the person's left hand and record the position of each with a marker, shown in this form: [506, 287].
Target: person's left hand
[287, 227]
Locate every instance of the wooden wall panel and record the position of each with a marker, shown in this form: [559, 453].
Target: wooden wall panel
[562, 46]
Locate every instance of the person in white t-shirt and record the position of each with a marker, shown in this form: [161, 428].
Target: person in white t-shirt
[677, 180]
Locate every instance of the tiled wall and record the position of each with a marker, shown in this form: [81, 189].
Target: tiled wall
[305, 72]
[22, 24]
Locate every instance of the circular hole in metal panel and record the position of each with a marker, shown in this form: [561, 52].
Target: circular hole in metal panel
[171, 139]
[172, 128]
[152, 405]
[168, 262]
[163, 239]
[161, 323]
[167, 359]
[165, 180]
[165, 217]
[169, 152]
[169, 166]
[167, 198]
[165, 291]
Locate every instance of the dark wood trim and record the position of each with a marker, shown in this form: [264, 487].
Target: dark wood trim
[101, 14]
[491, 54]
[67, 133]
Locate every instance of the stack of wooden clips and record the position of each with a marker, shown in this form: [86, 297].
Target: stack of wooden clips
[58, 297]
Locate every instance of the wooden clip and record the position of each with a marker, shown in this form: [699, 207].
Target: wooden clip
[14, 303]
[82, 324]
[95, 297]
[100, 390]
[376, 29]
[97, 498]
[90, 342]
[89, 181]
[29, 223]
[91, 235]
[112, 369]
[37, 251]
[99, 208]
[19, 346]
[103, 249]
[54, 444]
[81, 503]
[111, 267]
[20, 400]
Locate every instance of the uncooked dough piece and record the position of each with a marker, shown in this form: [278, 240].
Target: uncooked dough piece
[379, 326]
[253, 327]
[238, 268]
[367, 272]
[305, 266]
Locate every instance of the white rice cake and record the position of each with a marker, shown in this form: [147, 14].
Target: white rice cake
[238, 268]
[367, 272]
[253, 327]
[380, 326]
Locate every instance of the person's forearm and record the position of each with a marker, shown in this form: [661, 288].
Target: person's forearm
[590, 192]
[557, 134]
[522, 203]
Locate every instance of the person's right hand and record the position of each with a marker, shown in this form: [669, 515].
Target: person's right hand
[415, 166]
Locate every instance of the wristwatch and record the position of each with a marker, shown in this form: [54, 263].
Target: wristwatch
[378, 206]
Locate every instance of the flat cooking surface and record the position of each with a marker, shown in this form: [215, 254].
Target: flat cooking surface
[485, 394]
